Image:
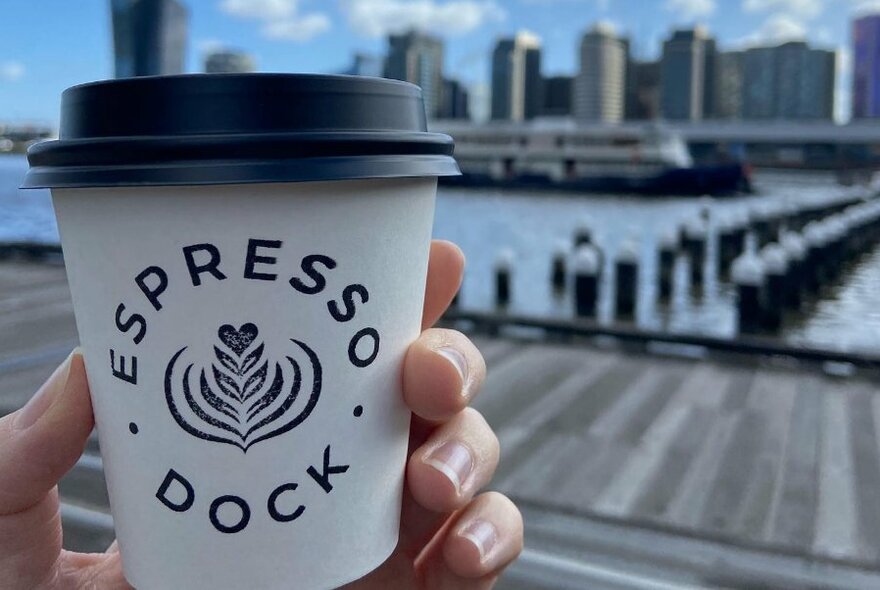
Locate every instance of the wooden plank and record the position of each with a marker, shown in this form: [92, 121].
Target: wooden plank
[528, 428]
[772, 394]
[660, 490]
[692, 497]
[791, 520]
[496, 350]
[575, 415]
[84, 485]
[524, 377]
[618, 498]
[863, 440]
[736, 469]
[836, 519]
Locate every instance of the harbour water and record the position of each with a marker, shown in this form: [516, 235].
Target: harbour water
[532, 225]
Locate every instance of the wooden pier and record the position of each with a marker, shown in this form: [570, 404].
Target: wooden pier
[638, 462]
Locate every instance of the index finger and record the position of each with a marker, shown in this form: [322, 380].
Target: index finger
[445, 271]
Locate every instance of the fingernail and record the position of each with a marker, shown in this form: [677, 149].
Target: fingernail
[454, 460]
[45, 396]
[482, 534]
[457, 360]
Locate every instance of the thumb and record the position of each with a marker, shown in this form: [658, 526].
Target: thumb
[42, 441]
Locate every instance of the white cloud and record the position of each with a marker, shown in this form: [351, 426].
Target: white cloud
[259, 9]
[691, 9]
[807, 9]
[377, 18]
[865, 7]
[210, 45]
[281, 18]
[777, 29]
[11, 70]
[302, 28]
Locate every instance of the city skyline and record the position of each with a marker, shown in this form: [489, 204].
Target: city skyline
[321, 37]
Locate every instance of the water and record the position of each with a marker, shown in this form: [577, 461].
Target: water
[532, 224]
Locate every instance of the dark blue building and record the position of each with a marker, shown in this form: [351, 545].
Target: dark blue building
[149, 37]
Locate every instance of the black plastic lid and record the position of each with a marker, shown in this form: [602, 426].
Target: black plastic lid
[238, 128]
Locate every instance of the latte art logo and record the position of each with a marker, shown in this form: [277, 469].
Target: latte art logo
[236, 401]
[248, 383]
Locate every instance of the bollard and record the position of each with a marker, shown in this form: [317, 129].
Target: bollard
[727, 250]
[626, 279]
[695, 233]
[815, 238]
[667, 249]
[748, 275]
[796, 251]
[503, 270]
[582, 235]
[775, 265]
[557, 270]
[587, 271]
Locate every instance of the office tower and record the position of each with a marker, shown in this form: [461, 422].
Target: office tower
[790, 81]
[728, 85]
[516, 78]
[418, 58]
[866, 67]
[228, 61]
[600, 83]
[149, 37]
[455, 100]
[687, 75]
[643, 90]
[558, 96]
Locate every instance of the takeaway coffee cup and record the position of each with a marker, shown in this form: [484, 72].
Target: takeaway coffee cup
[247, 259]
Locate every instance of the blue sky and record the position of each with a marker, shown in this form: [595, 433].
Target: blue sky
[48, 45]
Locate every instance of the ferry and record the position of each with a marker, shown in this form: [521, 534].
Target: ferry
[644, 159]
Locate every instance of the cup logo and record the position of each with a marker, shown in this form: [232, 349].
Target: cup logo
[234, 401]
[248, 382]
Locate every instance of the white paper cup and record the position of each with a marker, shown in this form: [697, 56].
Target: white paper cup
[244, 344]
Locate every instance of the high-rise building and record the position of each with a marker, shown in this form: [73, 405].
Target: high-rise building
[516, 78]
[728, 85]
[599, 90]
[687, 75]
[643, 90]
[866, 68]
[364, 64]
[791, 81]
[418, 58]
[149, 37]
[228, 61]
[558, 96]
[455, 101]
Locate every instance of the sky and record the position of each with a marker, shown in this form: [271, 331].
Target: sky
[48, 45]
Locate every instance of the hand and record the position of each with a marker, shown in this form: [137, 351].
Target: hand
[448, 538]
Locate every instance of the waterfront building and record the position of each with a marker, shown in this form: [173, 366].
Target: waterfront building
[516, 78]
[229, 61]
[687, 75]
[643, 90]
[558, 95]
[418, 58]
[455, 101]
[728, 85]
[364, 64]
[600, 83]
[149, 37]
[790, 81]
[866, 67]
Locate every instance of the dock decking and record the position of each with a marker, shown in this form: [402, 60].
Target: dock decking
[633, 470]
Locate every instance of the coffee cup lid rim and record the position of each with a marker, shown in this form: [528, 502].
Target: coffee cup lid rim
[239, 128]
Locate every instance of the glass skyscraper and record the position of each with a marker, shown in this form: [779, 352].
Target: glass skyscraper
[866, 69]
[149, 37]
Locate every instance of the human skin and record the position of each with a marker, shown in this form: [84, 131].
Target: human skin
[450, 536]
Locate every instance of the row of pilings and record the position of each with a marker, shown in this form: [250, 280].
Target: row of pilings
[777, 257]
